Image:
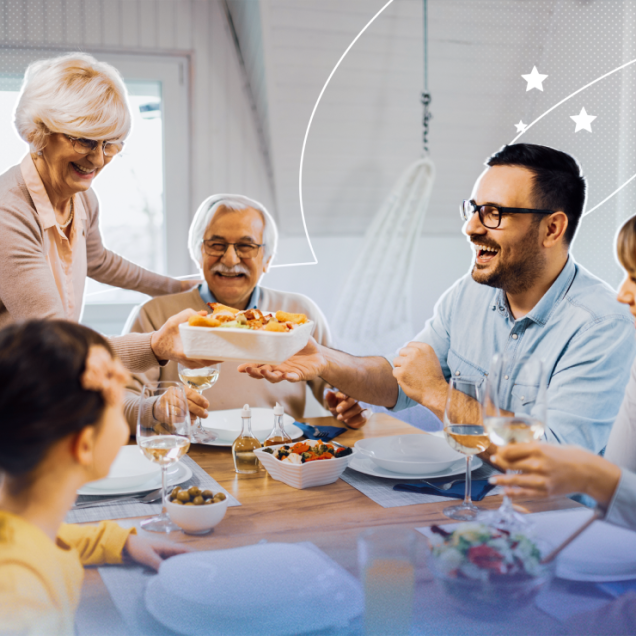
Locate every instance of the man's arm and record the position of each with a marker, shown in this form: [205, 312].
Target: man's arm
[367, 379]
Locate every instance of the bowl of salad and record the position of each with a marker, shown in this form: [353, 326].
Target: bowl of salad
[488, 572]
[305, 464]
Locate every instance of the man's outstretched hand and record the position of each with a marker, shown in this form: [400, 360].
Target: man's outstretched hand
[308, 364]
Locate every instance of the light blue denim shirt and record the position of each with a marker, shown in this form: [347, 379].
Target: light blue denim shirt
[581, 332]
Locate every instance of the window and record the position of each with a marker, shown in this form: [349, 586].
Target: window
[143, 192]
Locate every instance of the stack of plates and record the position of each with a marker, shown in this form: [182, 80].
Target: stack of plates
[227, 425]
[131, 473]
[409, 457]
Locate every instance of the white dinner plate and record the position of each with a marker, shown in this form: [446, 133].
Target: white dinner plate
[227, 425]
[602, 553]
[409, 454]
[130, 468]
[366, 466]
[177, 474]
[238, 591]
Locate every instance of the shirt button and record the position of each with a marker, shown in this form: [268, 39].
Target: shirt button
[505, 377]
[514, 336]
[494, 307]
[456, 372]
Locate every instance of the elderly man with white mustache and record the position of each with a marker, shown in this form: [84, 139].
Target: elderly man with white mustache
[233, 241]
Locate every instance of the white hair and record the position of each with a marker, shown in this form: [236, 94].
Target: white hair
[239, 203]
[72, 94]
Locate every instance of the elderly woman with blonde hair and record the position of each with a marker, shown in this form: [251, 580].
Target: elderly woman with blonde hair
[74, 114]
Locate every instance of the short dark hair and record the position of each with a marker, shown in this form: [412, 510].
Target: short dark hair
[41, 396]
[558, 181]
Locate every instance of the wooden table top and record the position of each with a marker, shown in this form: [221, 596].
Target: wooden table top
[330, 516]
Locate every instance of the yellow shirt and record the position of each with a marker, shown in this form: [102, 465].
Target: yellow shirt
[40, 580]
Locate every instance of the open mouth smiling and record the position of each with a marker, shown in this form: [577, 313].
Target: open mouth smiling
[82, 171]
[485, 253]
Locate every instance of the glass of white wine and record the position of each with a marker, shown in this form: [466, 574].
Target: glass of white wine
[163, 434]
[464, 432]
[528, 377]
[199, 380]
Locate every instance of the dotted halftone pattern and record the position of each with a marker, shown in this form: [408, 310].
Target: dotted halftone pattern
[584, 41]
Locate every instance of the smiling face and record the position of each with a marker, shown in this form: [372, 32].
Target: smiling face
[65, 171]
[232, 279]
[510, 257]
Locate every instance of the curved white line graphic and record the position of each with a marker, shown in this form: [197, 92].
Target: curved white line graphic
[311, 118]
[565, 99]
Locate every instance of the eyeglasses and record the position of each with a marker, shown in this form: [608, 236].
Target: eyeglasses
[243, 250]
[490, 215]
[86, 146]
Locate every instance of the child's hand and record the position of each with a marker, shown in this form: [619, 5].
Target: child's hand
[152, 552]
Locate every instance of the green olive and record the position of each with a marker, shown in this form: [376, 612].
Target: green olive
[175, 490]
[188, 504]
[207, 494]
[207, 502]
[198, 501]
[183, 495]
[219, 497]
[176, 501]
[193, 491]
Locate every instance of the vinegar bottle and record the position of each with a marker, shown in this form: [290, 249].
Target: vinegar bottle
[278, 434]
[245, 460]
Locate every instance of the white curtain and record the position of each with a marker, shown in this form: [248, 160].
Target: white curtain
[373, 315]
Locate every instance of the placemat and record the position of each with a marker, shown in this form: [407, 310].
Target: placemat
[135, 509]
[381, 490]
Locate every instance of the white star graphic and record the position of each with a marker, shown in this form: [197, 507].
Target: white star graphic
[534, 79]
[583, 121]
[521, 126]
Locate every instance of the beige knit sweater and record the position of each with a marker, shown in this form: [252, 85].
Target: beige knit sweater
[27, 286]
[233, 389]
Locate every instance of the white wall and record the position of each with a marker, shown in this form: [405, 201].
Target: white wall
[440, 261]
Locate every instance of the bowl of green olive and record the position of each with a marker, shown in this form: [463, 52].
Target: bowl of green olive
[194, 510]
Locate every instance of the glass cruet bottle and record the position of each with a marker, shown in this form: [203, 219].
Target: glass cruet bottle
[278, 434]
[245, 460]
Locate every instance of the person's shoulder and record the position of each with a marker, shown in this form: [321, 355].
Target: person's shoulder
[292, 302]
[14, 193]
[593, 296]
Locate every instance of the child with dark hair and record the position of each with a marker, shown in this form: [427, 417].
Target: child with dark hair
[62, 425]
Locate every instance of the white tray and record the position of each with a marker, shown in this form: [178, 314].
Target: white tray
[243, 345]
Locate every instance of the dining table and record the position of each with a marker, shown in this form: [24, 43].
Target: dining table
[331, 517]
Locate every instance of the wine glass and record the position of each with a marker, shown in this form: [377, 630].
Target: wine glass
[200, 380]
[528, 379]
[464, 432]
[163, 434]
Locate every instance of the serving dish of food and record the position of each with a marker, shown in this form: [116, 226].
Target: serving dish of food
[247, 336]
[305, 464]
[487, 571]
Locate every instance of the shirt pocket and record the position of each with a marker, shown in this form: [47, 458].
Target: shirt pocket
[523, 397]
[460, 367]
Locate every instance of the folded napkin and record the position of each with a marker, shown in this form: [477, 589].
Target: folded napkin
[479, 489]
[329, 432]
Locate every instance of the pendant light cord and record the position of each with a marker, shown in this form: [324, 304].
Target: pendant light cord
[426, 96]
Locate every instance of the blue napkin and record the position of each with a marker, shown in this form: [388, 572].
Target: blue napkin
[479, 489]
[330, 431]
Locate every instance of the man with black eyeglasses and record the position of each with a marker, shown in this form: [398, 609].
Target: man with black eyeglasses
[525, 295]
[233, 240]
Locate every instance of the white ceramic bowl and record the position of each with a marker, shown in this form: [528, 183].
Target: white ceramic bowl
[245, 345]
[318, 473]
[409, 454]
[197, 519]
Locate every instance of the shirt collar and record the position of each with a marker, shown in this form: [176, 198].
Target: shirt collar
[541, 311]
[40, 197]
[208, 296]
